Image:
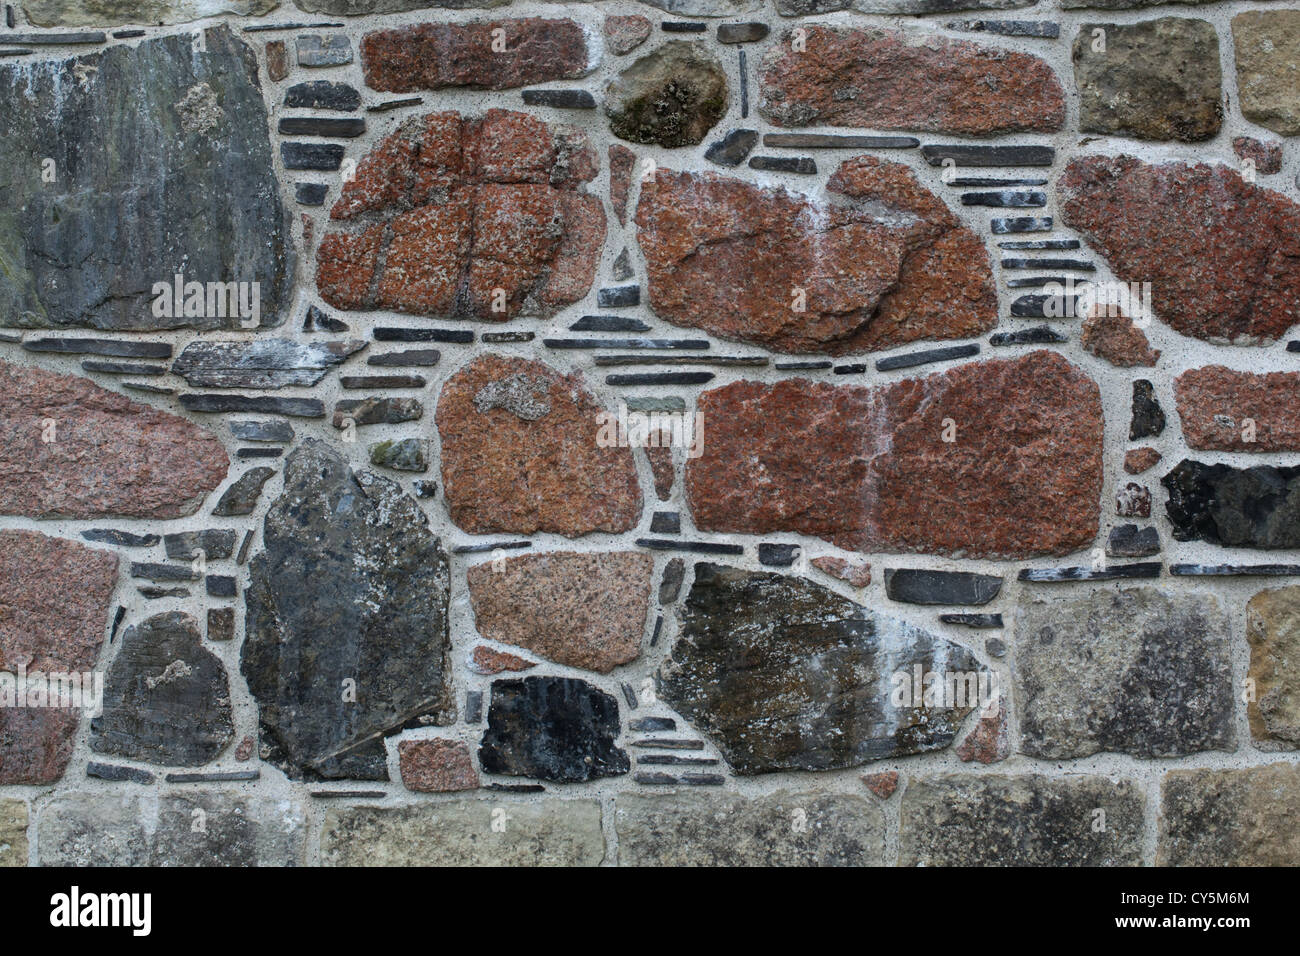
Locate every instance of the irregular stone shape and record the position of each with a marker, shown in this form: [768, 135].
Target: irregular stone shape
[519, 453]
[436, 766]
[623, 34]
[671, 584]
[1226, 410]
[868, 468]
[277, 60]
[437, 56]
[552, 728]
[317, 50]
[96, 13]
[987, 742]
[1134, 671]
[726, 829]
[54, 601]
[166, 697]
[621, 162]
[346, 620]
[377, 411]
[1116, 339]
[883, 784]
[1265, 157]
[890, 265]
[215, 543]
[578, 609]
[732, 149]
[857, 574]
[1266, 45]
[261, 363]
[465, 833]
[662, 469]
[794, 8]
[888, 79]
[114, 827]
[489, 661]
[459, 217]
[1138, 460]
[1030, 820]
[1158, 79]
[179, 125]
[1222, 256]
[781, 673]
[670, 97]
[1273, 630]
[1129, 541]
[105, 454]
[1255, 507]
[241, 497]
[408, 454]
[323, 95]
[922, 586]
[36, 743]
[13, 833]
[1148, 417]
[1133, 501]
[1219, 818]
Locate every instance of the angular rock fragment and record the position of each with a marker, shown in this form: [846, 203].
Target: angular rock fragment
[1223, 409]
[260, 363]
[436, 766]
[1266, 45]
[1265, 158]
[1273, 630]
[1148, 419]
[857, 574]
[408, 454]
[215, 544]
[919, 586]
[1243, 817]
[1138, 460]
[241, 497]
[1129, 541]
[1116, 339]
[623, 34]
[1255, 507]
[36, 743]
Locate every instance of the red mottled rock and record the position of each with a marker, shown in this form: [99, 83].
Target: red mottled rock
[1223, 409]
[624, 34]
[887, 79]
[1116, 339]
[486, 660]
[520, 453]
[244, 750]
[892, 265]
[1138, 460]
[106, 455]
[436, 766]
[1222, 255]
[1133, 501]
[662, 469]
[621, 162]
[479, 218]
[54, 602]
[996, 459]
[987, 742]
[856, 573]
[36, 743]
[882, 784]
[277, 60]
[1267, 157]
[435, 56]
[582, 610]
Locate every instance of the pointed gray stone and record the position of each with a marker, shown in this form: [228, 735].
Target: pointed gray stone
[261, 363]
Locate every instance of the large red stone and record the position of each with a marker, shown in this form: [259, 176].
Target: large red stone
[1223, 409]
[868, 468]
[886, 264]
[1222, 255]
[36, 743]
[460, 217]
[520, 453]
[70, 449]
[887, 79]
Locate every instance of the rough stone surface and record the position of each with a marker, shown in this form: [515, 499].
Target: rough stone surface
[621, 164]
[13, 833]
[111, 13]
[868, 469]
[1148, 419]
[242, 495]
[1230, 817]
[888, 79]
[1138, 460]
[623, 34]
[519, 453]
[461, 833]
[1132, 671]
[1273, 630]
[1255, 507]
[36, 743]
[351, 592]
[723, 829]
[1030, 820]
[1117, 340]
[782, 673]
[436, 766]
[987, 742]
[578, 609]
[108, 455]
[80, 253]
[263, 363]
[1222, 256]
[885, 264]
[1158, 79]
[489, 661]
[857, 574]
[459, 217]
[670, 97]
[883, 784]
[1226, 410]
[1265, 157]
[377, 411]
[407, 454]
[792, 8]
[1267, 51]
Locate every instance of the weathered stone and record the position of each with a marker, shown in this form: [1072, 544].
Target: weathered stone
[1255, 507]
[552, 728]
[1273, 630]
[113, 827]
[868, 469]
[436, 766]
[346, 620]
[1030, 820]
[520, 453]
[221, 623]
[1158, 79]
[180, 125]
[726, 829]
[436, 56]
[212, 402]
[241, 497]
[1133, 501]
[97, 13]
[781, 673]
[794, 8]
[1266, 45]
[462, 833]
[1148, 417]
[987, 742]
[215, 543]
[1220, 818]
[663, 471]
[1222, 256]
[13, 833]
[922, 586]
[316, 50]
[1265, 158]
[1138, 460]
[481, 218]
[1116, 339]
[262, 431]
[36, 743]
[407, 454]
[1226, 410]
[1134, 671]
[277, 60]
[881, 784]
[856, 573]
[732, 149]
[623, 34]
[323, 95]
[621, 163]
[377, 411]
[166, 697]
[890, 265]
[1129, 541]
[888, 79]
[578, 609]
[71, 449]
[261, 363]
[489, 661]
[670, 97]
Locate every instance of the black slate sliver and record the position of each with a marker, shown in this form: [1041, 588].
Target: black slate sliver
[323, 95]
[691, 547]
[490, 338]
[972, 620]
[1070, 265]
[1005, 199]
[419, 358]
[1001, 226]
[803, 165]
[118, 774]
[676, 760]
[619, 297]
[491, 546]
[609, 323]
[258, 404]
[1234, 570]
[735, 361]
[921, 586]
[262, 27]
[652, 724]
[850, 368]
[397, 104]
[447, 336]
[1046, 306]
[1038, 335]
[1032, 282]
[659, 378]
[1146, 569]
[837, 141]
[1044, 29]
[382, 381]
[560, 99]
[54, 39]
[696, 344]
[122, 539]
[325, 126]
[732, 149]
[1040, 244]
[984, 182]
[122, 368]
[926, 357]
[113, 347]
[675, 26]
[317, 320]
[811, 366]
[324, 157]
[310, 194]
[218, 776]
[964, 155]
[1148, 417]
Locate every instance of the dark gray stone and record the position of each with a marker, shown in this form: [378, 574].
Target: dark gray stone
[1073, 265]
[323, 157]
[108, 771]
[1115, 572]
[805, 165]
[452, 336]
[411, 357]
[926, 356]
[560, 99]
[964, 155]
[262, 431]
[622, 270]
[1130, 541]
[100, 347]
[1148, 417]
[122, 368]
[776, 555]
[666, 522]
[317, 50]
[920, 586]
[329, 126]
[660, 378]
[382, 381]
[1005, 199]
[377, 411]
[972, 620]
[1042, 305]
[215, 543]
[1009, 28]
[261, 363]
[1001, 226]
[346, 620]
[257, 404]
[1256, 507]
[220, 585]
[609, 323]
[124, 539]
[310, 194]
[162, 572]
[323, 95]
[838, 141]
[406, 454]
[241, 497]
[671, 583]
[732, 149]
[619, 297]
[1038, 335]
[742, 32]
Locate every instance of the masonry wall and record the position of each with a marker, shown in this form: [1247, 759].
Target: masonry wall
[812, 433]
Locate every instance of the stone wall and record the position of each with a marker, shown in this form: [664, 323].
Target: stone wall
[338, 341]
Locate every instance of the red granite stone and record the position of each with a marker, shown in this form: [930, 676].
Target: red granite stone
[489, 661]
[436, 766]
[36, 743]
[1138, 460]
[662, 469]
[623, 34]
[1116, 339]
[882, 784]
[1223, 409]
[987, 742]
[856, 573]
[1267, 157]
[621, 162]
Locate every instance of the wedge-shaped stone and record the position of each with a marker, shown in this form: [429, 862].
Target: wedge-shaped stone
[261, 363]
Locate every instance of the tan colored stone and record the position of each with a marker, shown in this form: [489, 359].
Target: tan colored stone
[1220, 818]
[1267, 47]
[1273, 631]
[13, 833]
